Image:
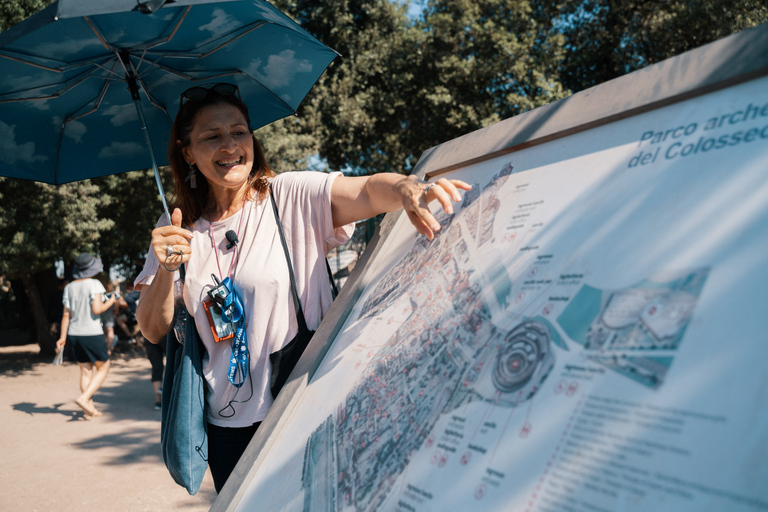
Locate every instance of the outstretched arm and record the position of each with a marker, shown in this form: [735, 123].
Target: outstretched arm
[358, 198]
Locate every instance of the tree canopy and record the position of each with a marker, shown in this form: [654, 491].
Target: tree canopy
[403, 84]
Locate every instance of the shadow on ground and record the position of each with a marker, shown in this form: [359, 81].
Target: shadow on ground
[18, 363]
[33, 409]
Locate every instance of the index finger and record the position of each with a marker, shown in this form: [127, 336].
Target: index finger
[168, 231]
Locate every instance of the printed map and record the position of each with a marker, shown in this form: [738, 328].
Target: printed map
[584, 334]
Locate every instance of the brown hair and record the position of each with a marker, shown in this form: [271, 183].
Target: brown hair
[192, 201]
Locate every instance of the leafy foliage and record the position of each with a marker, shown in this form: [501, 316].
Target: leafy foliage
[133, 209]
[609, 38]
[14, 11]
[402, 85]
[41, 223]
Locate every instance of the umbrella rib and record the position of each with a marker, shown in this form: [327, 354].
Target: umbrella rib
[176, 28]
[244, 33]
[97, 33]
[96, 105]
[56, 94]
[110, 71]
[166, 38]
[152, 101]
[223, 74]
[150, 44]
[10, 56]
[64, 123]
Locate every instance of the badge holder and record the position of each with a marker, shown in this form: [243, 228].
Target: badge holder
[218, 307]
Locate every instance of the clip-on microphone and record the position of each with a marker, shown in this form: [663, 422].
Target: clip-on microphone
[231, 238]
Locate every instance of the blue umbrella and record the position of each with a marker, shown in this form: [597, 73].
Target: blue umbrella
[90, 87]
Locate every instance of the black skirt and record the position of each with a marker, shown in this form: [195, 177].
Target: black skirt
[87, 349]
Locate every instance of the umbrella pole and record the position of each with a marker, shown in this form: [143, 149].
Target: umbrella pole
[133, 86]
[144, 129]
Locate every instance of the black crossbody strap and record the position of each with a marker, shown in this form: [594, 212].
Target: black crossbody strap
[294, 291]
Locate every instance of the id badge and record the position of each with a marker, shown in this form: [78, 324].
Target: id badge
[220, 328]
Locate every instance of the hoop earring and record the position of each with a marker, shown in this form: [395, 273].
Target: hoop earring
[192, 176]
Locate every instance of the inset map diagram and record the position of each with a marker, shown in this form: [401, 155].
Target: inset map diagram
[628, 329]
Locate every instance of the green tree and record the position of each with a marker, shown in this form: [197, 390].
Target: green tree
[40, 224]
[14, 11]
[609, 38]
[481, 62]
[132, 205]
[340, 114]
[403, 85]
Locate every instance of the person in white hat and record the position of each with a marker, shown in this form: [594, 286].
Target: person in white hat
[81, 326]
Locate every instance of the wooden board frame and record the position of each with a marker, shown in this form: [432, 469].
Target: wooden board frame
[730, 61]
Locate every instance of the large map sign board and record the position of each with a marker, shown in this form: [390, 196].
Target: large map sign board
[587, 333]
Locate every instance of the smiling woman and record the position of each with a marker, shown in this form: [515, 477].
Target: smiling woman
[223, 182]
[221, 148]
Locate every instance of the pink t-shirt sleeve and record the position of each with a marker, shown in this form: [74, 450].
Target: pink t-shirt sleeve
[304, 202]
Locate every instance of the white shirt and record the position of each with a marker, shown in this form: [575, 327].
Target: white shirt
[78, 296]
[262, 282]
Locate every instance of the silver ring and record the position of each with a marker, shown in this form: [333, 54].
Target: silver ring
[426, 190]
[169, 250]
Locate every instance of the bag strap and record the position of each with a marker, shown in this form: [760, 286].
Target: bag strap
[334, 290]
[296, 303]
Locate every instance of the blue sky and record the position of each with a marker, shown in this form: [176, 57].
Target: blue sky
[414, 7]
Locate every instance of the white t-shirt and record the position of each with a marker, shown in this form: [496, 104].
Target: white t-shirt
[78, 296]
[262, 282]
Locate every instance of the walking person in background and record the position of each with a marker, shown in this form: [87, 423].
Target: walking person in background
[126, 318]
[81, 327]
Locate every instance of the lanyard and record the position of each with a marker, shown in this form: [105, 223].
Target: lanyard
[240, 358]
[236, 254]
[239, 362]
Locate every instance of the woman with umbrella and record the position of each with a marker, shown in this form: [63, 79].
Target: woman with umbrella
[223, 185]
[81, 326]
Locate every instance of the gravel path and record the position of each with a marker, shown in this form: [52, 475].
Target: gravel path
[53, 459]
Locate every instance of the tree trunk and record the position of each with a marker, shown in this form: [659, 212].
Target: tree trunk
[42, 333]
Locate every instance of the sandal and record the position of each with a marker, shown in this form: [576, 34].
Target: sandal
[97, 412]
[87, 407]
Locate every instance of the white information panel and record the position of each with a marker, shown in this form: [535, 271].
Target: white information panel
[589, 332]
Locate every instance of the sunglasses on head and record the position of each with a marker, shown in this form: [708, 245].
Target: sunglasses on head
[200, 93]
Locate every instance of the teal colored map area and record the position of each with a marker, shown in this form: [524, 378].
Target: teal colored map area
[635, 330]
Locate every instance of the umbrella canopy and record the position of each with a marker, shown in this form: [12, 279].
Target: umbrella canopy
[90, 87]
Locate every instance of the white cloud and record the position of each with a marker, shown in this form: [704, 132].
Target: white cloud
[121, 150]
[120, 114]
[280, 69]
[11, 152]
[63, 48]
[221, 22]
[74, 129]
[41, 104]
